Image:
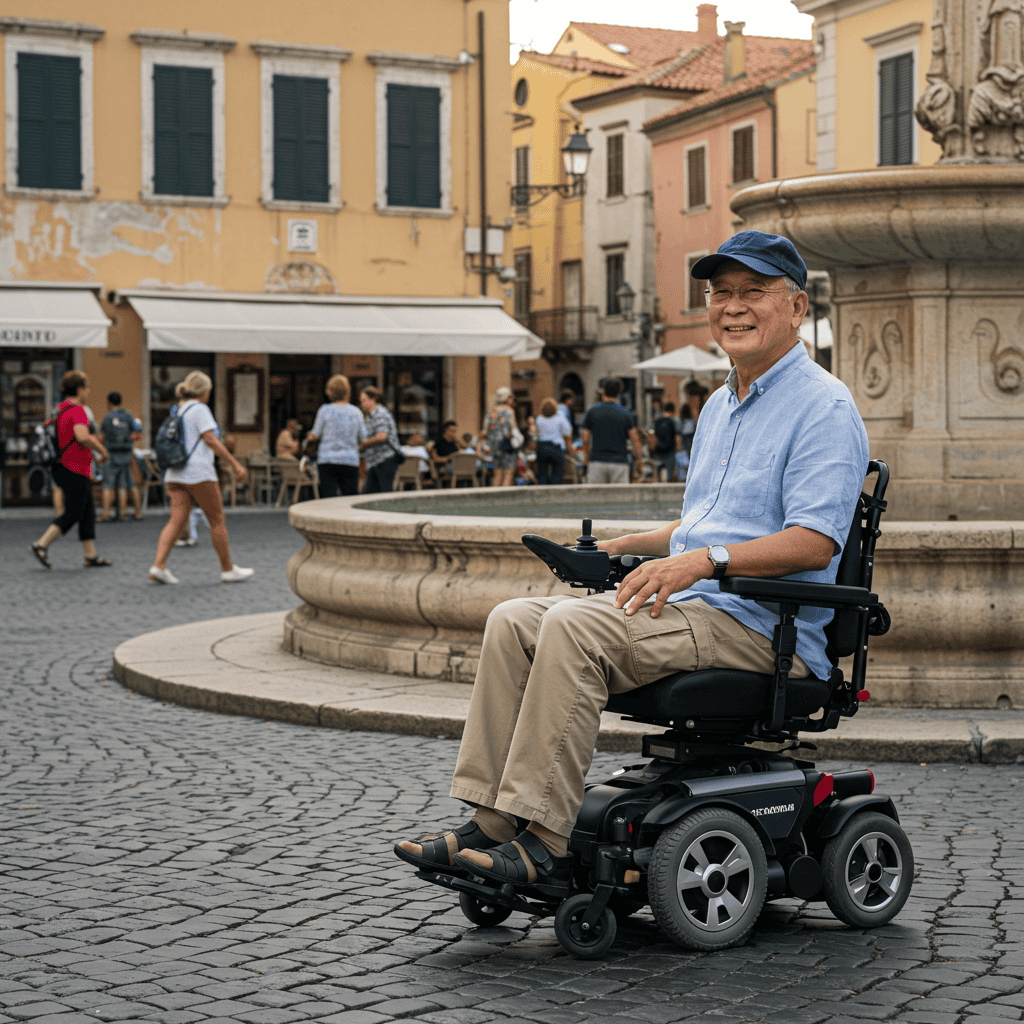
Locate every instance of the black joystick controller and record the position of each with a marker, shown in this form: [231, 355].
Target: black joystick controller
[587, 542]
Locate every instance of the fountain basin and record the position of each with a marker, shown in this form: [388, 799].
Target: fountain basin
[404, 583]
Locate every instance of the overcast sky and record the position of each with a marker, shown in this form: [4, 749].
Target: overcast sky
[538, 24]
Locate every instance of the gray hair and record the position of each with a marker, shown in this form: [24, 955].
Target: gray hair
[502, 395]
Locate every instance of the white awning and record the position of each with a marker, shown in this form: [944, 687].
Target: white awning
[48, 316]
[334, 324]
[688, 359]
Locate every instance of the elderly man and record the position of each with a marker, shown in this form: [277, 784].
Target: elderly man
[779, 457]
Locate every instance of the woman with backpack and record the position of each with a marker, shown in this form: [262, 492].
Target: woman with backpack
[72, 472]
[195, 481]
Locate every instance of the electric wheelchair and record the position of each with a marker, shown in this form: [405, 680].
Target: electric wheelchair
[712, 825]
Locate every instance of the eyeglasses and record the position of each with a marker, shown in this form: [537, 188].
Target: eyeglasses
[749, 294]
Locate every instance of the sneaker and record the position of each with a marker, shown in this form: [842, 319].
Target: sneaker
[236, 575]
[190, 543]
[162, 575]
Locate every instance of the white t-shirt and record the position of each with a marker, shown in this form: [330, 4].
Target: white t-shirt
[200, 466]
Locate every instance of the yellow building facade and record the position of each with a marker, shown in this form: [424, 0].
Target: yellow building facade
[873, 60]
[268, 194]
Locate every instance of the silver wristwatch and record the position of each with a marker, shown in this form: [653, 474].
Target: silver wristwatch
[718, 555]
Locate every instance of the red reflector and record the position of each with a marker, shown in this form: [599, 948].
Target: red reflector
[872, 774]
[823, 789]
[863, 696]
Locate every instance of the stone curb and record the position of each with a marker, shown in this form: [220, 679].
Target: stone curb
[236, 666]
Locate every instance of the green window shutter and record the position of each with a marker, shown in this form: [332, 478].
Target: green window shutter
[301, 139]
[414, 146]
[197, 106]
[896, 110]
[183, 131]
[49, 121]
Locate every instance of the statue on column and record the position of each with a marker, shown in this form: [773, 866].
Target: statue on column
[997, 101]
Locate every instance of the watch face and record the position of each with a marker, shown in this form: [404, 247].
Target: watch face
[718, 553]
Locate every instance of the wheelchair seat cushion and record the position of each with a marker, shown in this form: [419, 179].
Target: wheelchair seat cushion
[719, 693]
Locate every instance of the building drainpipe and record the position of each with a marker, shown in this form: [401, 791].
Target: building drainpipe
[769, 101]
[484, 222]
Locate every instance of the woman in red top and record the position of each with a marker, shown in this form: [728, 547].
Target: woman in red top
[73, 471]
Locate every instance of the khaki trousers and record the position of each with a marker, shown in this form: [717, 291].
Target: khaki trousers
[547, 668]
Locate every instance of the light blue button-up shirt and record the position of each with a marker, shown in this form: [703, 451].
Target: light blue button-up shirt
[794, 452]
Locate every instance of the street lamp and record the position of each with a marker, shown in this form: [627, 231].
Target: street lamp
[576, 158]
[641, 334]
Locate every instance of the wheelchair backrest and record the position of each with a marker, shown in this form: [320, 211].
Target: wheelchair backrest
[857, 562]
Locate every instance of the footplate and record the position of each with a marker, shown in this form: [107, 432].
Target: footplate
[506, 895]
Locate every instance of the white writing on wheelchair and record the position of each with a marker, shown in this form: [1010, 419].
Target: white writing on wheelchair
[780, 809]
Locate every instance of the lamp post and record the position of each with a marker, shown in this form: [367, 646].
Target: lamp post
[575, 158]
[641, 334]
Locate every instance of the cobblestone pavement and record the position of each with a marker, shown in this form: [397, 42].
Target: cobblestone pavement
[166, 865]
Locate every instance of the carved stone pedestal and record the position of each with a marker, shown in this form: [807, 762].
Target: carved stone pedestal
[928, 314]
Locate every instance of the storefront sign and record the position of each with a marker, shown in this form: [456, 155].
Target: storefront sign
[27, 336]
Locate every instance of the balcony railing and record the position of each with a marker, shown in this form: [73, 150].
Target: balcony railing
[572, 325]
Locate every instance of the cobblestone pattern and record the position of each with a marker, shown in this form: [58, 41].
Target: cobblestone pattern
[165, 865]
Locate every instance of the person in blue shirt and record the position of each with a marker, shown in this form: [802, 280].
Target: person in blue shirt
[779, 457]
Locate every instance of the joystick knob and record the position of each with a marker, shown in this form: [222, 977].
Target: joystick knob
[587, 541]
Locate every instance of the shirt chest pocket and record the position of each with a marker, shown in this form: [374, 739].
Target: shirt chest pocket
[746, 491]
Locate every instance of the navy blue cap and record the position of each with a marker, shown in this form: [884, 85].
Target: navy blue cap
[771, 255]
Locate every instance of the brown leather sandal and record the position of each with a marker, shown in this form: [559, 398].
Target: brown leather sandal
[435, 848]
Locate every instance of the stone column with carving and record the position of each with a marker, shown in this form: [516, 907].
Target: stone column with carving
[973, 105]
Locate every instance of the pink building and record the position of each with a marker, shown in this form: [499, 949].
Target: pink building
[757, 124]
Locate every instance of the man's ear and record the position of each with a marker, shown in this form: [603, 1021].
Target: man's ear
[800, 306]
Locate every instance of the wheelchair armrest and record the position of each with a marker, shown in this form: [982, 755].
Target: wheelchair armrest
[816, 595]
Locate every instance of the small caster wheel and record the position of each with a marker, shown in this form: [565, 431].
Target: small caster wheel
[584, 943]
[868, 870]
[482, 913]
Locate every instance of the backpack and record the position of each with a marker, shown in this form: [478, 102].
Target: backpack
[665, 434]
[118, 428]
[47, 451]
[169, 445]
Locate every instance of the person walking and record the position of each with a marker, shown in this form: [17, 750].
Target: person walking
[381, 449]
[496, 433]
[607, 431]
[554, 434]
[119, 428]
[339, 428]
[196, 482]
[667, 440]
[72, 472]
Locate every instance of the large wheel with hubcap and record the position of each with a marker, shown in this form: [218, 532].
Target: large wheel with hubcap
[482, 913]
[868, 870]
[707, 879]
[573, 934]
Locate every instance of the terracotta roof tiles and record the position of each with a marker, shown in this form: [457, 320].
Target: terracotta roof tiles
[647, 46]
[701, 68]
[750, 82]
[571, 63]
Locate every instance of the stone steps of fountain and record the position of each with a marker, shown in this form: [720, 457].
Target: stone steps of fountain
[238, 666]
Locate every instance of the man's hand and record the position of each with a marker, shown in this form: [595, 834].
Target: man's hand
[664, 577]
